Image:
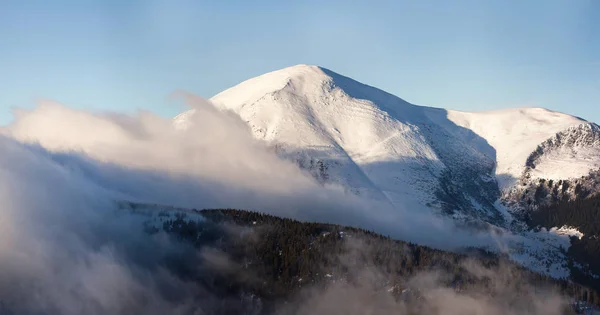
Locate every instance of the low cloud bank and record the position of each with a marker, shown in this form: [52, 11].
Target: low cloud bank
[66, 249]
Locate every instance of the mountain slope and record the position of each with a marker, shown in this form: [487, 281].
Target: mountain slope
[376, 144]
[514, 134]
[369, 141]
[259, 261]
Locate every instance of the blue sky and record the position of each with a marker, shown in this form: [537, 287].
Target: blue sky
[466, 55]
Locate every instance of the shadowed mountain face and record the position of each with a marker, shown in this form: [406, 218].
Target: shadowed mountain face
[375, 144]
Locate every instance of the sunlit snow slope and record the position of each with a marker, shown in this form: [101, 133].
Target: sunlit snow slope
[376, 144]
[515, 134]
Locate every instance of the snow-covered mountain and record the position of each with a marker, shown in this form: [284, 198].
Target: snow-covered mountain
[376, 144]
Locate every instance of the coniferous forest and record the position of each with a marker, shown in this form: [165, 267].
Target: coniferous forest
[583, 213]
[255, 263]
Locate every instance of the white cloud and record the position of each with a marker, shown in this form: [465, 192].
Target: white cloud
[64, 247]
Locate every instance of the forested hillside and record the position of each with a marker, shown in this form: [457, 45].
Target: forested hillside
[584, 215]
[268, 264]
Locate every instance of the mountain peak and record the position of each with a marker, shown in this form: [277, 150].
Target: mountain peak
[298, 71]
[310, 82]
[251, 90]
[374, 143]
[302, 67]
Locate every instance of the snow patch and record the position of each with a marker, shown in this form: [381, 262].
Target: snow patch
[567, 230]
[567, 163]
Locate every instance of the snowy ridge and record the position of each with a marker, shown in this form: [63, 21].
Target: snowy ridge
[374, 143]
[418, 158]
[578, 147]
[514, 134]
[563, 167]
[369, 141]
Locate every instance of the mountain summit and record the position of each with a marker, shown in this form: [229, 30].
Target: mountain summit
[376, 144]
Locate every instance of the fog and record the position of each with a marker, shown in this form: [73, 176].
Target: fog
[213, 163]
[426, 292]
[65, 248]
